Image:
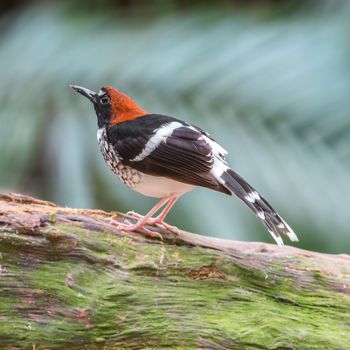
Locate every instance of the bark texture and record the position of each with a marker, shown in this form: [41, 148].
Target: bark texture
[71, 280]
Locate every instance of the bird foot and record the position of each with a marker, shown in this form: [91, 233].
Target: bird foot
[168, 227]
[155, 222]
[134, 215]
[126, 226]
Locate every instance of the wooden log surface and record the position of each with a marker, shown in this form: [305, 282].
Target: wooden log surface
[70, 280]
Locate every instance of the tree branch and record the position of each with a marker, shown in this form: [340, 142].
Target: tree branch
[70, 280]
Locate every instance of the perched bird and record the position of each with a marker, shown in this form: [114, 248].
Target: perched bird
[164, 157]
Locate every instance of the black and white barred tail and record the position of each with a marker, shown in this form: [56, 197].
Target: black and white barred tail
[261, 208]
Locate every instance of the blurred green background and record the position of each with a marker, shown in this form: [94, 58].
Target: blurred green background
[270, 80]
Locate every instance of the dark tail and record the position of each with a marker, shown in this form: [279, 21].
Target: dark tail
[261, 208]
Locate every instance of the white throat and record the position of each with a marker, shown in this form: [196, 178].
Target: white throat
[100, 132]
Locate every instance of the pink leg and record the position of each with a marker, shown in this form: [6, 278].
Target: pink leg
[139, 225]
[160, 218]
[150, 220]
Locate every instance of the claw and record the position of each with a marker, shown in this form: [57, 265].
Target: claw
[116, 223]
[141, 228]
[168, 227]
[134, 215]
[127, 226]
[154, 222]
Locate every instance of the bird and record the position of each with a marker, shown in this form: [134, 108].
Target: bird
[164, 157]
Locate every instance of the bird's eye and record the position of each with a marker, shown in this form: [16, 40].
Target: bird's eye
[104, 100]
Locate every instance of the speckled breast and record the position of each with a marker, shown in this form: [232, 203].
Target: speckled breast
[129, 176]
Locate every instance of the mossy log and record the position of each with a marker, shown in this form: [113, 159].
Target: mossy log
[71, 280]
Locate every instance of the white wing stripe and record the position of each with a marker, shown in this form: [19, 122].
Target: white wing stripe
[217, 150]
[159, 136]
[252, 196]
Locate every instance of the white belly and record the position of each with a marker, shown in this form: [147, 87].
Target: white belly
[159, 187]
[148, 185]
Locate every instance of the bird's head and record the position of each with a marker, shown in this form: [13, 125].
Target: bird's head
[111, 106]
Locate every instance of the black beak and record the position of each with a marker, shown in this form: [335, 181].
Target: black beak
[91, 95]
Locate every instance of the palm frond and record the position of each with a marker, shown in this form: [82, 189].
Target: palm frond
[274, 92]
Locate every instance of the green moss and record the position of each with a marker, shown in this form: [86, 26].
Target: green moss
[52, 218]
[97, 288]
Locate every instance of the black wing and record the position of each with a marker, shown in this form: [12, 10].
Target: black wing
[184, 155]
